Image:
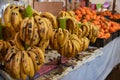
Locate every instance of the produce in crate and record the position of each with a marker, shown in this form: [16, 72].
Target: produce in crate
[106, 26]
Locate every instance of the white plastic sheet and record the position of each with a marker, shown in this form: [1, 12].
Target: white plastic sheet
[100, 67]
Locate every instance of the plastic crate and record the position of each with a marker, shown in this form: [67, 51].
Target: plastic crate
[115, 35]
[101, 42]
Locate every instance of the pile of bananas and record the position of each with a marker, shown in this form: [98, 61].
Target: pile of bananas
[67, 44]
[29, 37]
[20, 63]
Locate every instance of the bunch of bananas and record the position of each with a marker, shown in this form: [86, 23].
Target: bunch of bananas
[68, 45]
[59, 38]
[20, 63]
[94, 32]
[36, 31]
[12, 18]
[4, 45]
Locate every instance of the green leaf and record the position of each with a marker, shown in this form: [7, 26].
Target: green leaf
[28, 11]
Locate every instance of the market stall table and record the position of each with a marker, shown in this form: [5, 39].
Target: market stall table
[94, 67]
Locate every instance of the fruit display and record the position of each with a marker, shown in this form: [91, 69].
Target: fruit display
[110, 15]
[25, 49]
[72, 37]
[32, 32]
[106, 26]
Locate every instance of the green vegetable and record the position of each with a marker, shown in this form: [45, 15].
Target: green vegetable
[28, 11]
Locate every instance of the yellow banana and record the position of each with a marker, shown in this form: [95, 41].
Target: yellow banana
[36, 37]
[73, 49]
[11, 51]
[70, 48]
[63, 14]
[60, 37]
[29, 31]
[16, 65]
[42, 26]
[23, 76]
[7, 15]
[16, 19]
[90, 33]
[66, 37]
[71, 13]
[23, 28]
[35, 60]
[52, 39]
[51, 17]
[25, 62]
[32, 71]
[43, 45]
[49, 25]
[66, 51]
[40, 55]
[55, 42]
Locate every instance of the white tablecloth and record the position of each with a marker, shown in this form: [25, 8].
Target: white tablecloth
[100, 67]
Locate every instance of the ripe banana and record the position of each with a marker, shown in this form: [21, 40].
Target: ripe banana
[86, 43]
[49, 25]
[16, 65]
[60, 37]
[66, 37]
[29, 31]
[16, 19]
[35, 60]
[42, 26]
[55, 42]
[23, 76]
[25, 63]
[63, 14]
[7, 15]
[43, 45]
[70, 49]
[40, 56]
[23, 29]
[71, 13]
[36, 38]
[32, 71]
